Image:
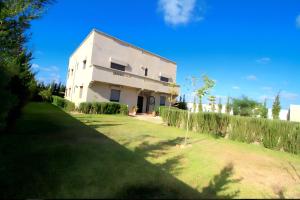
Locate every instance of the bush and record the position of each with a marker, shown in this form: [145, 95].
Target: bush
[63, 103]
[272, 134]
[46, 95]
[103, 108]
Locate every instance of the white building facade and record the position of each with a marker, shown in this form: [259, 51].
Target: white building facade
[104, 68]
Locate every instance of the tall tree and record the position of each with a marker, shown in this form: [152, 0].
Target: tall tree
[276, 107]
[220, 106]
[16, 79]
[264, 110]
[228, 107]
[212, 103]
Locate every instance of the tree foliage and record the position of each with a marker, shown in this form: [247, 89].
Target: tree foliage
[228, 107]
[244, 106]
[16, 79]
[220, 106]
[264, 110]
[276, 107]
[212, 103]
[204, 90]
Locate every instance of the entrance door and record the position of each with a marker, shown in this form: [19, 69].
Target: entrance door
[140, 104]
[150, 104]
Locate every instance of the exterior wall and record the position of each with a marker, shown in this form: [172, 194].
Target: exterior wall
[283, 115]
[80, 76]
[101, 92]
[106, 48]
[294, 113]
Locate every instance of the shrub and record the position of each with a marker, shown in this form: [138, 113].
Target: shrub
[46, 95]
[63, 103]
[58, 101]
[272, 134]
[103, 108]
[123, 109]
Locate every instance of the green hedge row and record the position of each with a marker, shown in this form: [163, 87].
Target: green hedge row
[103, 108]
[272, 134]
[63, 103]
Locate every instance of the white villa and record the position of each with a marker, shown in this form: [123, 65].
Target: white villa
[104, 68]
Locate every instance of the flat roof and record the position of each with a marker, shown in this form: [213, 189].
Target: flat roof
[125, 43]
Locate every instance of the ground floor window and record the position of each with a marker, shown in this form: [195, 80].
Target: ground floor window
[115, 95]
[80, 91]
[162, 100]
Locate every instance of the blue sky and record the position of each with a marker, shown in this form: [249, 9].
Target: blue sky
[249, 47]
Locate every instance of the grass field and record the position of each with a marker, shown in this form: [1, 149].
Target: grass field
[51, 154]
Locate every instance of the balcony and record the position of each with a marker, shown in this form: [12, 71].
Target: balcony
[116, 77]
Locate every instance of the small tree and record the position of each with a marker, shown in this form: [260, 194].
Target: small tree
[220, 106]
[244, 106]
[228, 107]
[212, 102]
[276, 107]
[264, 110]
[204, 90]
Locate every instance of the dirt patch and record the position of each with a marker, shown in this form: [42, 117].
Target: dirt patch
[149, 118]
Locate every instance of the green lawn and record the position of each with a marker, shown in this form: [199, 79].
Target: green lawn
[52, 154]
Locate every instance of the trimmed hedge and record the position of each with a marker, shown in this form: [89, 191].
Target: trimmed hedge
[63, 103]
[272, 134]
[103, 108]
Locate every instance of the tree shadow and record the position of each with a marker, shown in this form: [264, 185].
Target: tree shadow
[96, 126]
[73, 160]
[220, 184]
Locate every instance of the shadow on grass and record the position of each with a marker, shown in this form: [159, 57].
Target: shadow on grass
[220, 183]
[62, 162]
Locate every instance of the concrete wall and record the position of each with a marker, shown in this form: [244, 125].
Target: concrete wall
[80, 76]
[294, 113]
[107, 48]
[100, 92]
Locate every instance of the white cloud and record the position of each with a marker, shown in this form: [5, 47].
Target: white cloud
[180, 11]
[251, 78]
[47, 74]
[35, 66]
[236, 87]
[264, 60]
[298, 21]
[289, 95]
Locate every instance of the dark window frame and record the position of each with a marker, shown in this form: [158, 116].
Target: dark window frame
[146, 72]
[164, 100]
[84, 64]
[164, 79]
[112, 97]
[80, 91]
[117, 66]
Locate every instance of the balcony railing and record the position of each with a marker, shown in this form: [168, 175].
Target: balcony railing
[116, 77]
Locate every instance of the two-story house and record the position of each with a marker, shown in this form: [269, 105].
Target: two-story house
[104, 68]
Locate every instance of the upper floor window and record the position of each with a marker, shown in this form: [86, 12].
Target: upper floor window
[84, 64]
[165, 79]
[71, 72]
[115, 95]
[117, 66]
[146, 72]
